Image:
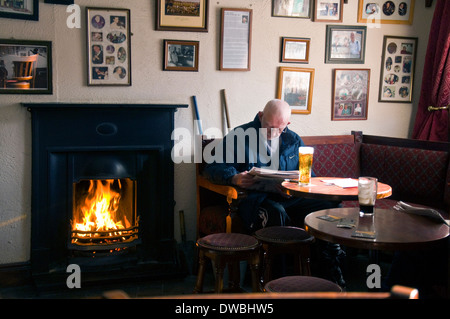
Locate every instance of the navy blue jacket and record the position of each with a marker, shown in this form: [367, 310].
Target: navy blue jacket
[221, 173]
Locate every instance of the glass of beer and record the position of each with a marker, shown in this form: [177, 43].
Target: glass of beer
[367, 194]
[305, 159]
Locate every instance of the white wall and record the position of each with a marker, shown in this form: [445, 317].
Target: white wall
[247, 92]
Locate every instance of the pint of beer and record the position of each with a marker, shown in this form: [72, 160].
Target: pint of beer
[305, 159]
[367, 194]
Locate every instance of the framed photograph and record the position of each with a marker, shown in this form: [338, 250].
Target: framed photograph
[108, 46]
[397, 69]
[328, 10]
[182, 15]
[64, 2]
[382, 11]
[236, 39]
[291, 9]
[20, 9]
[295, 50]
[350, 94]
[180, 55]
[295, 86]
[25, 67]
[345, 44]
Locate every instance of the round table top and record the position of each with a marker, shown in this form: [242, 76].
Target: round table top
[321, 189]
[394, 230]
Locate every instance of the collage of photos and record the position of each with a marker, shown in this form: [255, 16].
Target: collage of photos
[382, 11]
[108, 47]
[397, 69]
[351, 91]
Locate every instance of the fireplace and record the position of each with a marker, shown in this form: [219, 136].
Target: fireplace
[102, 190]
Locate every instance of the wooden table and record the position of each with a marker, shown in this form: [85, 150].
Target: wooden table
[395, 230]
[320, 189]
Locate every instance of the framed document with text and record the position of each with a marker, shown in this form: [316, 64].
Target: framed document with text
[236, 36]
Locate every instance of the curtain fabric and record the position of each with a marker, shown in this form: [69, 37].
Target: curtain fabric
[435, 91]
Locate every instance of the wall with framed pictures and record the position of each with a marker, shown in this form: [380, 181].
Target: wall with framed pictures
[247, 92]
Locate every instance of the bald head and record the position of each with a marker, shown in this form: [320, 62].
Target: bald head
[277, 109]
[276, 115]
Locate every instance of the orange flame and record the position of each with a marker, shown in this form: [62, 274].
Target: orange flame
[100, 207]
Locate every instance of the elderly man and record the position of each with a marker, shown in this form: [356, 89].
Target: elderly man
[265, 141]
[268, 142]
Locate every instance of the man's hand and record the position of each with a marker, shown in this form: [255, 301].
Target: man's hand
[244, 180]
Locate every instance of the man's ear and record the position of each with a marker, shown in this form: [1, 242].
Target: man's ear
[260, 115]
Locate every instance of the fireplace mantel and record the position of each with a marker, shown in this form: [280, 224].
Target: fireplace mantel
[65, 137]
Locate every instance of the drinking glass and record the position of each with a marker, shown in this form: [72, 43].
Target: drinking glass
[305, 159]
[367, 194]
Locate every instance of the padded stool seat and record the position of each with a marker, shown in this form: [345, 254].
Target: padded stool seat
[228, 249]
[285, 240]
[301, 284]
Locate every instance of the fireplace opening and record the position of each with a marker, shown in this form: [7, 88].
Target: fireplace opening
[104, 217]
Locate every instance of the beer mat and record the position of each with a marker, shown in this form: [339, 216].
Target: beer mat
[329, 218]
[363, 234]
[346, 223]
[342, 182]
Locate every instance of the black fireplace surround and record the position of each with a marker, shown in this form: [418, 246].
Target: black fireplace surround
[73, 142]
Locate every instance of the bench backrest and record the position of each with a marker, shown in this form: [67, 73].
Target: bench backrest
[334, 155]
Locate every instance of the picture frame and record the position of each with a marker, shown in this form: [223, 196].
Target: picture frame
[295, 50]
[236, 39]
[32, 57]
[293, 9]
[108, 47]
[345, 44]
[185, 16]
[389, 12]
[181, 55]
[397, 69]
[63, 2]
[20, 9]
[350, 94]
[328, 10]
[295, 86]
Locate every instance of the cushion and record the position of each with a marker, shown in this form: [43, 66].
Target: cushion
[283, 234]
[301, 284]
[414, 174]
[228, 241]
[335, 160]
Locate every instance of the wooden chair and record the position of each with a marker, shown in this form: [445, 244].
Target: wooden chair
[216, 204]
[23, 73]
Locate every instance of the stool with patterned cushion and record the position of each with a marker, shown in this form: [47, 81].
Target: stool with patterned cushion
[301, 284]
[228, 249]
[285, 240]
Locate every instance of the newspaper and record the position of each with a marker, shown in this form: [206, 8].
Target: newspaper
[423, 211]
[274, 174]
[268, 180]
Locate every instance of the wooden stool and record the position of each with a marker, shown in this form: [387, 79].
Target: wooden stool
[285, 240]
[228, 248]
[301, 284]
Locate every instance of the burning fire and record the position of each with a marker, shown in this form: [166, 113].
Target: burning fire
[100, 209]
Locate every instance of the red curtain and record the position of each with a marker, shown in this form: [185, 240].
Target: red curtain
[435, 91]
